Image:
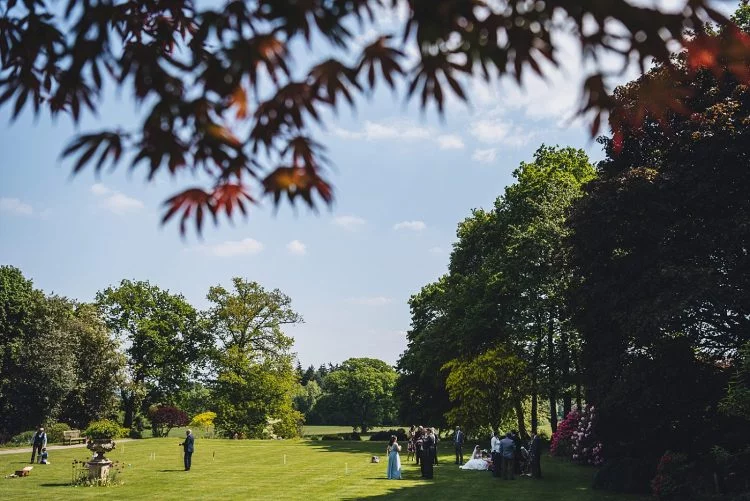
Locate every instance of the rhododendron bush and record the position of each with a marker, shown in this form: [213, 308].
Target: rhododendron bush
[586, 448]
[562, 440]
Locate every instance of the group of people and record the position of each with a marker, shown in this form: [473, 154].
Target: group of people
[39, 446]
[506, 456]
[505, 459]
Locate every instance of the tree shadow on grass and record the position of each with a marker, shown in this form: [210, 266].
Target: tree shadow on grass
[58, 484]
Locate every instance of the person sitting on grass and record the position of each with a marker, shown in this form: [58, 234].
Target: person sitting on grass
[43, 456]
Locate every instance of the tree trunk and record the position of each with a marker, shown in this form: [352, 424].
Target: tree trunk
[128, 406]
[536, 363]
[552, 372]
[565, 369]
[523, 433]
[579, 390]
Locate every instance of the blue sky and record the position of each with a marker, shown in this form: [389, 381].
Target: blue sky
[403, 181]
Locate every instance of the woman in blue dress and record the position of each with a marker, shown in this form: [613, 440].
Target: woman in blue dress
[394, 460]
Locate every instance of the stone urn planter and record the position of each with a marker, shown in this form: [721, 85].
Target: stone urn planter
[99, 466]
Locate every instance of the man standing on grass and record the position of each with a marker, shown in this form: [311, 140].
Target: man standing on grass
[508, 451]
[458, 442]
[188, 446]
[38, 443]
[496, 456]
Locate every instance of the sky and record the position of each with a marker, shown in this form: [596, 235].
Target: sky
[403, 181]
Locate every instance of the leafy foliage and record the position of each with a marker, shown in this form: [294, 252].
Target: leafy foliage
[163, 336]
[485, 388]
[165, 417]
[223, 98]
[361, 390]
[204, 420]
[103, 429]
[56, 360]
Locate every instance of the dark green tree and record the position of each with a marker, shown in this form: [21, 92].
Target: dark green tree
[164, 339]
[660, 242]
[361, 389]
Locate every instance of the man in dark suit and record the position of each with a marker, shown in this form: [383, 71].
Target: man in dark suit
[427, 450]
[458, 443]
[188, 446]
[536, 456]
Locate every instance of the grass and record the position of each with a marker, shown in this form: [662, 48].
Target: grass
[255, 469]
[318, 430]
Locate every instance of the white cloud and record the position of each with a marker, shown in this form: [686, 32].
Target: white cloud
[232, 248]
[450, 142]
[15, 206]
[370, 301]
[484, 156]
[350, 223]
[498, 131]
[296, 248]
[401, 130]
[410, 225]
[100, 190]
[114, 201]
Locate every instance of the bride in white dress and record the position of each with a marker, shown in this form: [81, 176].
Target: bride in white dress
[476, 462]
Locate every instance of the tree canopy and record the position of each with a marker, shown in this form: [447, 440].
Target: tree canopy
[222, 96]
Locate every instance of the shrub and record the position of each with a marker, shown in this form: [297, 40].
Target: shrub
[342, 436]
[562, 439]
[164, 418]
[672, 480]
[624, 475]
[23, 438]
[585, 447]
[105, 428]
[384, 436]
[203, 420]
[55, 432]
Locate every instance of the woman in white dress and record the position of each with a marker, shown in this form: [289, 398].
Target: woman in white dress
[476, 462]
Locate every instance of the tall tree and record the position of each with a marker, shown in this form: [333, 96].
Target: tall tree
[362, 390]
[99, 369]
[163, 339]
[660, 254]
[211, 109]
[487, 389]
[255, 379]
[251, 318]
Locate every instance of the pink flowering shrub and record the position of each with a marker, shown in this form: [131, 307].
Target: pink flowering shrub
[562, 440]
[671, 480]
[585, 446]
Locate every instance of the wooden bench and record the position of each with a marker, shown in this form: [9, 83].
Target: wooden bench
[73, 436]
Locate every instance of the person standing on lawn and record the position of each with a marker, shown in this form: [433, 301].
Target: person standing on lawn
[188, 445]
[39, 442]
[508, 451]
[458, 443]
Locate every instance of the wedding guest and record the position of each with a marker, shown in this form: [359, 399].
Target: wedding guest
[188, 446]
[458, 444]
[508, 450]
[427, 449]
[410, 446]
[434, 447]
[495, 452]
[517, 454]
[394, 460]
[535, 456]
[38, 442]
[419, 443]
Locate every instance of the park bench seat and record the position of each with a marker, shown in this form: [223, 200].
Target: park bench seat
[73, 436]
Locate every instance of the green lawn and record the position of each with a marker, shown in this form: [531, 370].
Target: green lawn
[254, 469]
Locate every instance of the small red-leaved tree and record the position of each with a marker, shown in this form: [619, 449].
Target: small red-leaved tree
[164, 418]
